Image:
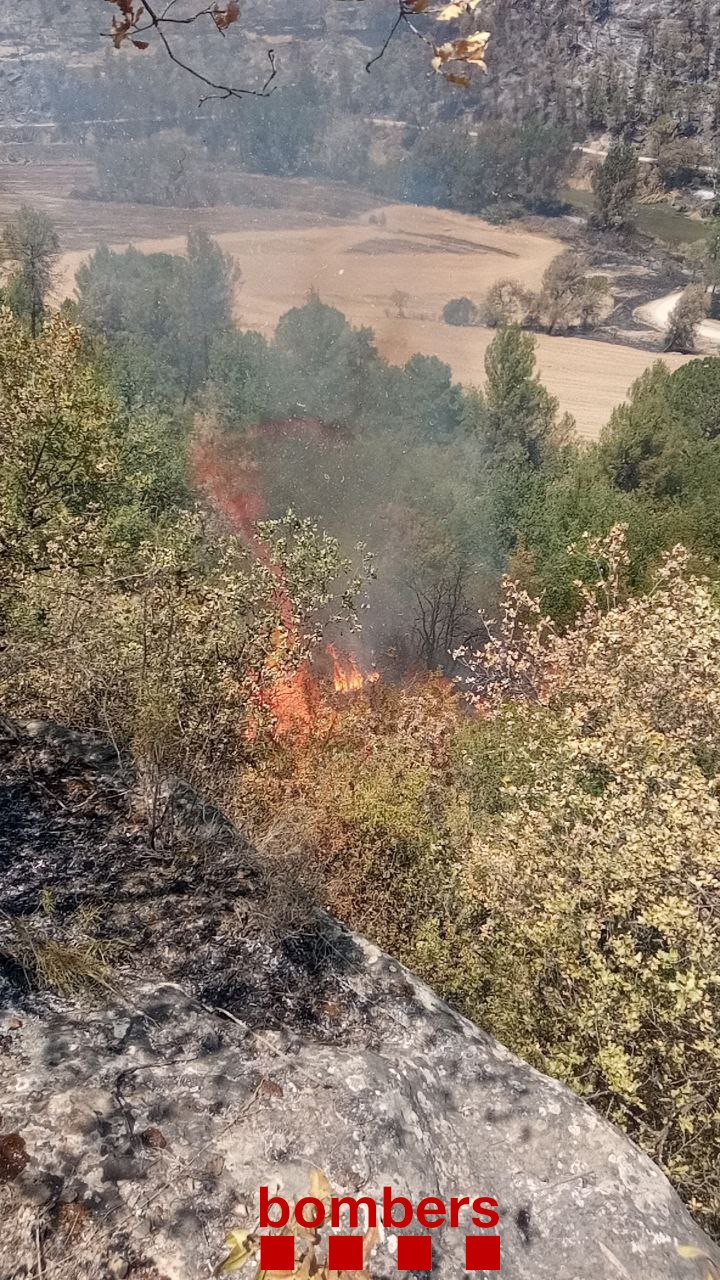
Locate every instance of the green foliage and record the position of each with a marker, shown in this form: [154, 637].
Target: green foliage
[60, 451]
[498, 167]
[30, 243]
[656, 469]
[516, 417]
[615, 184]
[160, 313]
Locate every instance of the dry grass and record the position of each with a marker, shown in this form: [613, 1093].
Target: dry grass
[64, 964]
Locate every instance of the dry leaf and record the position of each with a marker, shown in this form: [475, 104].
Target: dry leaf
[242, 1246]
[224, 18]
[319, 1186]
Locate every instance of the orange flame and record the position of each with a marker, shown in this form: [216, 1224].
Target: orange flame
[347, 676]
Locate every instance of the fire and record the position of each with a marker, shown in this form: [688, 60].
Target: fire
[291, 698]
[294, 700]
[347, 676]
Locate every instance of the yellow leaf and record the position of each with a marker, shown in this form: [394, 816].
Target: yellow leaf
[240, 1250]
[690, 1251]
[456, 9]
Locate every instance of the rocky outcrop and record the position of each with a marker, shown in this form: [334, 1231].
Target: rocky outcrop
[233, 1047]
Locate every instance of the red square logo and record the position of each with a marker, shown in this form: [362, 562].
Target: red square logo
[414, 1253]
[482, 1253]
[277, 1253]
[345, 1253]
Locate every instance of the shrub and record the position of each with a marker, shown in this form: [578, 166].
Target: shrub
[685, 319]
[461, 311]
[598, 878]
[506, 302]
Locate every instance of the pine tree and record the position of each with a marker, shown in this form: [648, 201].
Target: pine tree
[31, 243]
[615, 184]
[517, 415]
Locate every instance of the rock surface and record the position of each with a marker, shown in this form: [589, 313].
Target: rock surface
[137, 1126]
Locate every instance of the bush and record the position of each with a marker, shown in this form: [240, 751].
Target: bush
[461, 311]
[506, 302]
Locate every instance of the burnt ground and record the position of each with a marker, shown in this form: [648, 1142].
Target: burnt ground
[198, 908]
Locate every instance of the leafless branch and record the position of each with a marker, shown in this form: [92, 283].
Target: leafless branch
[406, 12]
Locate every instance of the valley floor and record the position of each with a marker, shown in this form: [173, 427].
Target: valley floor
[291, 235]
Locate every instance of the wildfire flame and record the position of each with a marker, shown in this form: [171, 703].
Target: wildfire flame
[232, 480]
[347, 676]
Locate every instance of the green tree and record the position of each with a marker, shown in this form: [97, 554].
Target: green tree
[325, 365]
[211, 279]
[686, 318]
[160, 312]
[60, 451]
[517, 416]
[615, 184]
[167, 168]
[30, 242]
[569, 296]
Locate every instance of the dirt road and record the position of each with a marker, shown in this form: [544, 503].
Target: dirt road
[657, 315]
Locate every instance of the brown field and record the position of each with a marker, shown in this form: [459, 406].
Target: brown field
[294, 235]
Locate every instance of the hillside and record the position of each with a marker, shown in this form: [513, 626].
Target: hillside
[644, 65]
[249, 1043]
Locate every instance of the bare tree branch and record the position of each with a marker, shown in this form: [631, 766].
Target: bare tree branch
[128, 27]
